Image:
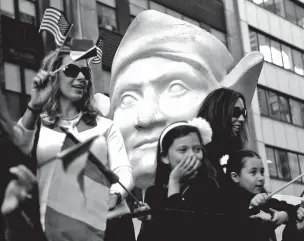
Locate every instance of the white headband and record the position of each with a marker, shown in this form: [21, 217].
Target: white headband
[201, 124]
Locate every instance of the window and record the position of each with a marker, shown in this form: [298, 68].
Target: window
[290, 11]
[281, 107]
[160, 8]
[273, 105]
[293, 164]
[106, 17]
[271, 162]
[262, 101]
[287, 57]
[253, 41]
[297, 112]
[137, 6]
[276, 53]
[284, 109]
[14, 105]
[12, 77]
[57, 4]
[27, 11]
[7, 8]
[300, 16]
[301, 162]
[269, 5]
[298, 62]
[280, 8]
[264, 46]
[282, 162]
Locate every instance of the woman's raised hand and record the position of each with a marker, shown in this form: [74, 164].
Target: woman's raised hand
[41, 90]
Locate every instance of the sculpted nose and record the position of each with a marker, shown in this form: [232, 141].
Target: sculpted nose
[149, 115]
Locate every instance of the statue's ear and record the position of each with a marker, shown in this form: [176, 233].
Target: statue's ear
[245, 75]
[102, 103]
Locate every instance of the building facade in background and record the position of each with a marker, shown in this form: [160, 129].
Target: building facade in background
[274, 27]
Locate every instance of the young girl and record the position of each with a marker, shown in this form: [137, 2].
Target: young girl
[253, 216]
[181, 184]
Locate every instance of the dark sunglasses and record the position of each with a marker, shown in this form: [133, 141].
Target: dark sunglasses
[237, 112]
[73, 70]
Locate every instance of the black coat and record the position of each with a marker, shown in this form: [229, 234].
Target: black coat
[14, 226]
[242, 227]
[291, 232]
[202, 196]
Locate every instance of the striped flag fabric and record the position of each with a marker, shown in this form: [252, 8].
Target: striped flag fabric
[99, 47]
[55, 22]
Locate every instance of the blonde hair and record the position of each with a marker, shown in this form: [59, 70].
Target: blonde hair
[52, 106]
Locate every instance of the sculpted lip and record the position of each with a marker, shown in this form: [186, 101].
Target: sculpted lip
[147, 142]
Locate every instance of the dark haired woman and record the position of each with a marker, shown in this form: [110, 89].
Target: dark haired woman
[74, 198]
[226, 111]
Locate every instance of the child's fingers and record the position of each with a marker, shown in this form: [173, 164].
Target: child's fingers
[300, 213]
[191, 164]
[262, 198]
[183, 163]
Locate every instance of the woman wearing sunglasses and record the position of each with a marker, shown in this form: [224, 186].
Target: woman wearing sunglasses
[74, 197]
[226, 111]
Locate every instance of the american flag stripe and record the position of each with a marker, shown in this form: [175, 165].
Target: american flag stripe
[99, 46]
[59, 38]
[55, 22]
[97, 59]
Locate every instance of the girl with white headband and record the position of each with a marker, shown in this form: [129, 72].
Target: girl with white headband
[182, 184]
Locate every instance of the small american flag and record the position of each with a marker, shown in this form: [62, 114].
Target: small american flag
[54, 21]
[99, 47]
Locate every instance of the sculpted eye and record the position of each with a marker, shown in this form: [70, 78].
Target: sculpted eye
[178, 88]
[127, 100]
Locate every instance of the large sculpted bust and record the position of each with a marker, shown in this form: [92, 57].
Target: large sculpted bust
[162, 71]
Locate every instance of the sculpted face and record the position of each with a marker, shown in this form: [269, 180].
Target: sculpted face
[150, 94]
[163, 69]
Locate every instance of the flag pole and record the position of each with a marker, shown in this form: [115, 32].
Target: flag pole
[71, 61]
[58, 50]
[286, 185]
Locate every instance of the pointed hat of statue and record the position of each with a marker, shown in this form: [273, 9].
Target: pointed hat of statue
[159, 35]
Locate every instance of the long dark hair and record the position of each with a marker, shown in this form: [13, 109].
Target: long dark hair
[163, 170]
[52, 106]
[217, 109]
